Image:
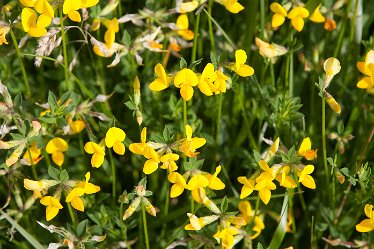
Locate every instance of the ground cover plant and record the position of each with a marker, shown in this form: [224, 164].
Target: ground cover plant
[186, 124]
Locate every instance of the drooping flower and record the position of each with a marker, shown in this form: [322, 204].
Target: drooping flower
[38, 185]
[248, 214]
[97, 152]
[279, 16]
[33, 24]
[114, 138]
[334, 105]
[305, 178]
[367, 225]
[306, 151]
[197, 223]
[182, 26]
[186, 79]
[191, 144]
[239, 66]
[297, 16]
[332, 67]
[317, 16]
[162, 82]
[53, 206]
[270, 50]
[56, 147]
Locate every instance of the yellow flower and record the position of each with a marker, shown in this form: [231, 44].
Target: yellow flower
[189, 6]
[53, 206]
[332, 67]
[214, 182]
[296, 15]
[232, 5]
[317, 16]
[190, 144]
[330, 24]
[219, 85]
[197, 223]
[88, 3]
[55, 147]
[76, 126]
[264, 183]
[114, 138]
[28, 3]
[98, 153]
[138, 148]
[279, 16]
[248, 186]
[270, 50]
[284, 179]
[226, 236]
[182, 26]
[367, 68]
[162, 82]
[239, 66]
[185, 80]
[4, 29]
[306, 151]
[269, 154]
[151, 165]
[89, 188]
[70, 8]
[38, 185]
[35, 153]
[179, 184]
[32, 24]
[305, 178]
[168, 161]
[367, 225]
[112, 28]
[208, 76]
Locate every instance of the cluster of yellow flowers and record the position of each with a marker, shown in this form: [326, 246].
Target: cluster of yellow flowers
[210, 81]
[285, 174]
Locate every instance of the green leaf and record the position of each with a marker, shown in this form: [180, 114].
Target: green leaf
[213, 59]
[280, 232]
[65, 97]
[260, 246]
[340, 127]
[130, 105]
[224, 204]
[52, 101]
[64, 176]
[22, 231]
[82, 228]
[166, 133]
[53, 172]
[143, 182]
[345, 171]
[182, 63]
[126, 38]
[195, 63]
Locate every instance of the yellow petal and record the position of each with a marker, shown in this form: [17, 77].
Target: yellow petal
[189, 6]
[51, 212]
[186, 92]
[277, 8]
[75, 192]
[58, 158]
[204, 87]
[308, 182]
[56, 144]
[317, 16]
[364, 83]
[150, 166]
[306, 145]
[185, 77]
[37, 32]
[78, 204]
[91, 147]
[240, 57]
[197, 181]
[298, 23]
[43, 21]
[277, 20]
[368, 209]
[308, 169]
[182, 22]
[119, 148]
[234, 7]
[28, 18]
[97, 160]
[365, 226]
[113, 135]
[245, 192]
[158, 85]
[245, 71]
[265, 195]
[74, 16]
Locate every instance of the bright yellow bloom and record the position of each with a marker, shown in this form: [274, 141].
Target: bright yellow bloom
[248, 186]
[264, 183]
[89, 188]
[112, 28]
[179, 184]
[162, 82]
[182, 26]
[114, 138]
[70, 8]
[168, 161]
[98, 153]
[189, 6]
[53, 206]
[32, 24]
[239, 66]
[55, 147]
[226, 236]
[76, 126]
[214, 182]
[270, 50]
[284, 179]
[305, 178]
[28, 3]
[191, 144]
[151, 165]
[367, 225]
[219, 85]
[35, 154]
[138, 148]
[279, 16]
[186, 79]
[367, 68]
[197, 224]
[317, 16]
[296, 15]
[306, 151]
[332, 67]
[232, 5]
[4, 29]
[208, 76]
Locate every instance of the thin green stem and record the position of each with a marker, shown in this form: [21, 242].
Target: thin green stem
[324, 141]
[23, 70]
[196, 32]
[219, 114]
[113, 175]
[123, 226]
[262, 19]
[72, 217]
[192, 204]
[272, 74]
[146, 239]
[212, 43]
[184, 114]
[32, 164]
[66, 66]
[290, 78]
